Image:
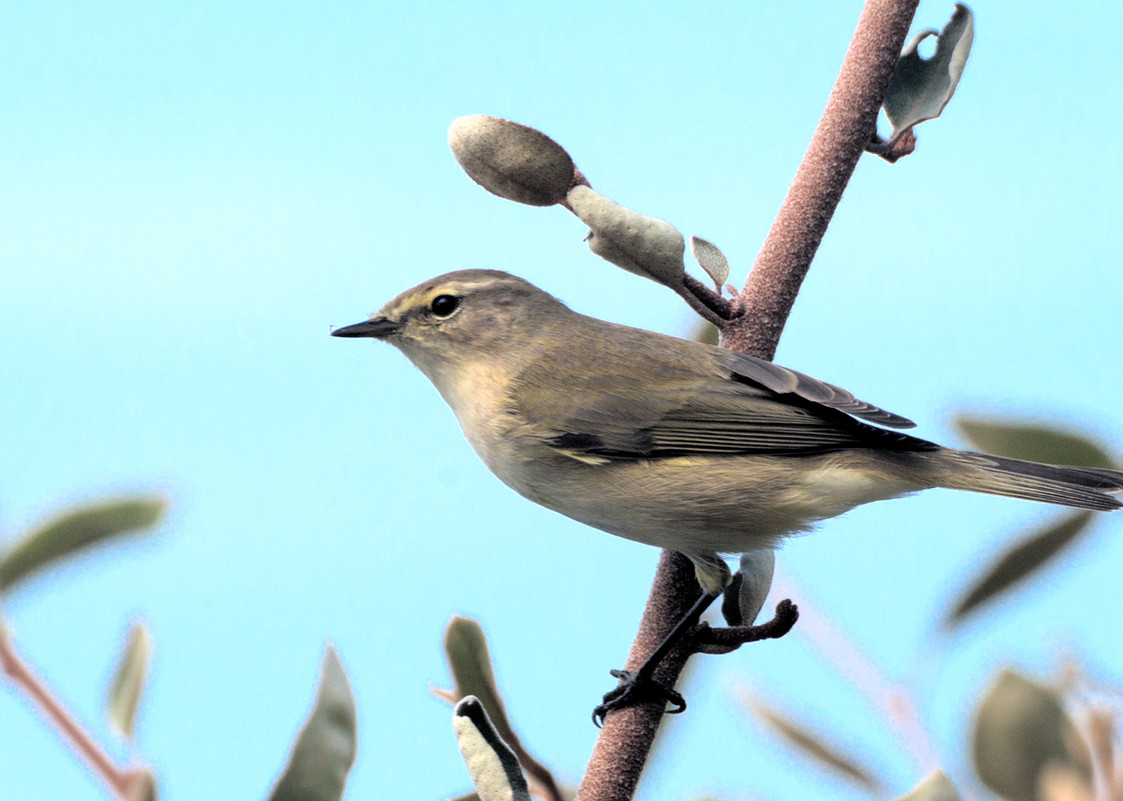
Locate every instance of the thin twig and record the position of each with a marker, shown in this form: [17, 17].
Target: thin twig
[893, 699]
[695, 303]
[722, 307]
[892, 149]
[839, 141]
[121, 782]
[706, 640]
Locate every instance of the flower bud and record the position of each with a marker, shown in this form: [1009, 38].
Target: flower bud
[511, 160]
[642, 245]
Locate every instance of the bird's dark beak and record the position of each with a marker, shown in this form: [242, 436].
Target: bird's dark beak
[377, 327]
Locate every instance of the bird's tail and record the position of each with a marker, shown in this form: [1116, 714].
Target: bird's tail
[1082, 487]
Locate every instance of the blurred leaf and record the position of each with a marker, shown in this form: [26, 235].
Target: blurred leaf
[1019, 562]
[706, 332]
[936, 786]
[711, 259]
[470, 663]
[74, 532]
[467, 797]
[140, 785]
[510, 160]
[127, 686]
[921, 88]
[492, 764]
[814, 746]
[325, 748]
[1020, 729]
[1033, 443]
[1057, 783]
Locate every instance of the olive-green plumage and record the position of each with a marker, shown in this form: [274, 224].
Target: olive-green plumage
[667, 441]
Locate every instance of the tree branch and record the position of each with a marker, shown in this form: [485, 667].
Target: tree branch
[125, 783]
[844, 131]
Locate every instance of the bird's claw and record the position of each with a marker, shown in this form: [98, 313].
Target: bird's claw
[636, 687]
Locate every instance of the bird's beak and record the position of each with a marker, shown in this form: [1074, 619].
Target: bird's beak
[377, 327]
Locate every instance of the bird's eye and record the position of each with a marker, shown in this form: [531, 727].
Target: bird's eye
[444, 305]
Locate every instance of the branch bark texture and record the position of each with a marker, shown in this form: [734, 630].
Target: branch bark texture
[839, 141]
[843, 132]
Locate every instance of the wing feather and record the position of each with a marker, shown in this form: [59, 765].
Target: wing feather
[653, 401]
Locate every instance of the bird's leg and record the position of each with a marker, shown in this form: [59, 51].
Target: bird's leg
[637, 686]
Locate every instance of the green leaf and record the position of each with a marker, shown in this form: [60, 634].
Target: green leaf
[936, 786]
[74, 532]
[470, 663]
[511, 160]
[814, 746]
[921, 88]
[324, 750]
[1019, 562]
[1034, 443]
[711, 259]
[492, 764]
[706, 332]
[1020, 730]
[127, 687]
[469, 660]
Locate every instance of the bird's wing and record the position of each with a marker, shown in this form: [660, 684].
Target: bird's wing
[719, 418]
[618, 414]
[782, 380]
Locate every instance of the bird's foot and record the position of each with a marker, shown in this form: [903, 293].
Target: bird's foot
[637, 687]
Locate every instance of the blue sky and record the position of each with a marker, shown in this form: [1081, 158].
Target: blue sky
[191, 195]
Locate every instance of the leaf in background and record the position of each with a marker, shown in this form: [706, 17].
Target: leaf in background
[511, 160]
[127, 687]
[1019, 562]
[1033, 443]
[921, 88]
[469, 660]
[711, 259]
[74, 532]
[140, 785]
[1020, 730]
[492, 764]
[1058, 783]
[324, 750]
[936, 786]
[706, 332]
[814, 746]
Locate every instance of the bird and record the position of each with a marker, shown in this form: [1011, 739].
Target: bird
[671, 442]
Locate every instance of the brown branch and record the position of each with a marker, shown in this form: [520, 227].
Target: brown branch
[892, 149]
[724, 308]
[123, 783]
[621, 750]
[844, 131]
[706, 640]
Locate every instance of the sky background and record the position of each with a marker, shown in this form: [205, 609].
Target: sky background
[192, 194]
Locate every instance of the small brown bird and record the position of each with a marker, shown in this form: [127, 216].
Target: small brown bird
[672, 442]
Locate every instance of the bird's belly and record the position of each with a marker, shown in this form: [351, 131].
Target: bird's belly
[712, 504]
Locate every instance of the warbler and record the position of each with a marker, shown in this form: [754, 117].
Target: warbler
[671, 442]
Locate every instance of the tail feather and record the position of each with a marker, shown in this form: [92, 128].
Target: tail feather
[1082, 487]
